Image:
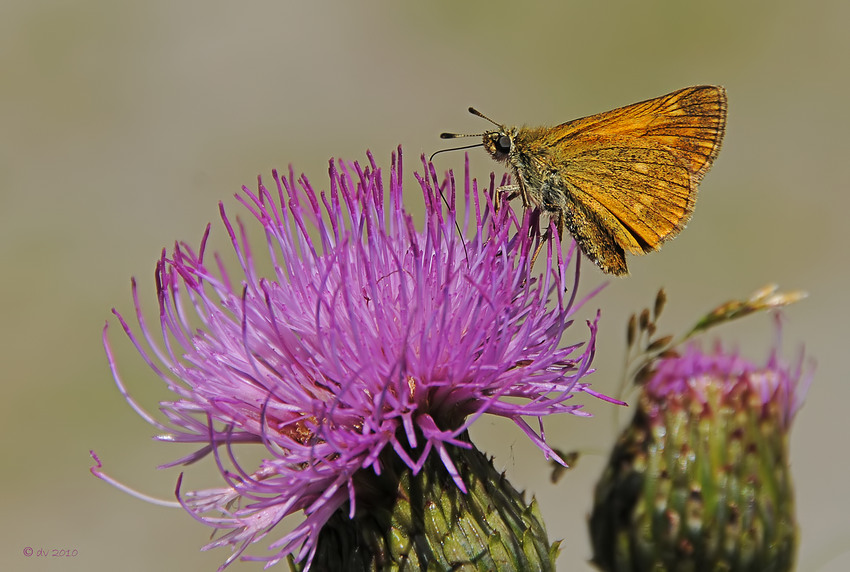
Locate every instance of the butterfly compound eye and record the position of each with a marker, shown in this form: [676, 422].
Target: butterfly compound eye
[503, 144]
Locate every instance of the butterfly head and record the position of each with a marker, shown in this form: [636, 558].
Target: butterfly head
[500, 143]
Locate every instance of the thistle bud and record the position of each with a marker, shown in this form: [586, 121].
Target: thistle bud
[700, 479]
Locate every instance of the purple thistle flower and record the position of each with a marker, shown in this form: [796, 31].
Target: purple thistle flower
[368, 336]
[776, 387]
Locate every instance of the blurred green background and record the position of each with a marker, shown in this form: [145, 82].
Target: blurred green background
[123, 124]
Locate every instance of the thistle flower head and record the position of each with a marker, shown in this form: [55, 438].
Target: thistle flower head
[368, 336]
[776, 388]
[700, 478]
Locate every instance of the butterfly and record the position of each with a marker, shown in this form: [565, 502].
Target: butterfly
[620, 181]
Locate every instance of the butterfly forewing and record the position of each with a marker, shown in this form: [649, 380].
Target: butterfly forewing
[645, 187]
[690, 122]
[636, 168]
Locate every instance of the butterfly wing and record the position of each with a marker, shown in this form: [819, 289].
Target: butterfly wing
[689, 122]
[641, 192]
[635, 169]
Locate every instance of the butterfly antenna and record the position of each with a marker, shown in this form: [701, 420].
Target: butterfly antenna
[456, 135]
[474, 111]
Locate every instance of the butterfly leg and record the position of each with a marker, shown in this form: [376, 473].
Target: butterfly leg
[508, 192]
[561, 223]
[543, 240]
[511, 191]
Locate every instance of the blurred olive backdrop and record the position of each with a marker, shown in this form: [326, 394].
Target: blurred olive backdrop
[122, 124]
